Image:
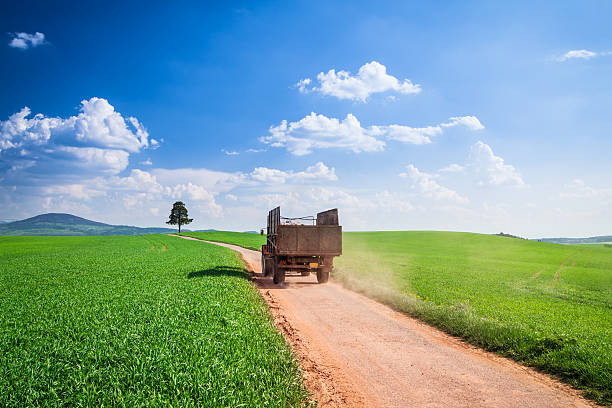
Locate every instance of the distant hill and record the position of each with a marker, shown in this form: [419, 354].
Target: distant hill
[577, 241]
[68, 224]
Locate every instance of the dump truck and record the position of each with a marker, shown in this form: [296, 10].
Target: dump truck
[302, 245]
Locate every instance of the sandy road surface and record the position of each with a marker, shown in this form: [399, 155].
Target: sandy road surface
[359, 353]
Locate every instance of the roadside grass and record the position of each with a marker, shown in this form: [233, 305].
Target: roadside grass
[244, 239]
[136, 321]
[545, 305]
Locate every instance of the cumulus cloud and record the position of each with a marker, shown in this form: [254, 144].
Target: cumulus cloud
[97, 125]
[309, 200]
[580, 54]
[317, 172]
[426, 184]
[493, 168]
[25, 40]
[141, 188]
[471, 122]
[371, 78]
[98, 140]
[453, 168]
[320, 132]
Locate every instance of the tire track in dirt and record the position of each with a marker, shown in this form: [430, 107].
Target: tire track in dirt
[356, 352]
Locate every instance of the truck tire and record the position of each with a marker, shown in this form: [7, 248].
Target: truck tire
[279, 273]
[263, 265]
[322, 275]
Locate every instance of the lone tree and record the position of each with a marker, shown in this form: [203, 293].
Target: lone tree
[178, 215]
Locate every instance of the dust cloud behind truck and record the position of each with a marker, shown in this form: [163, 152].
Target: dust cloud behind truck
[301, 245]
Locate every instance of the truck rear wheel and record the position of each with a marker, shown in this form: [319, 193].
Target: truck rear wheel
[279, 273]
[267, 266]
[322, 275]
[263, 265]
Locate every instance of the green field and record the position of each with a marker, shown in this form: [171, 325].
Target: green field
[243, 239]
[547, 305]
[136, 321]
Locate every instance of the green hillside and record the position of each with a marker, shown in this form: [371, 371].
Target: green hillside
[67, 224]
[152, 320]
[547, 305]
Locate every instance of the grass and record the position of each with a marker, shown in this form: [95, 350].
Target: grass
[246, 240]
[136, 321]
[546, 305]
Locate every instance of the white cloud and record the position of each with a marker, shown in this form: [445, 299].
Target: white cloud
[407, 134]
[25, 40]
[98, 140]
[493, 167]
[204, 199]
[98, 125]
[255, 150]
[320, 132]
[309, 200]
[392, 201]
[147, 162]
[453, 168]
[317, 172]
[138, 180]
[471, 122]
[143, 188]
[93, 159]
[211, 180]
[371, 78]
[429, 187]
[302, 84]
[231, 197]
[267, 175]
[78, 191]
[230, 152]
[581, 54]
[578, 189]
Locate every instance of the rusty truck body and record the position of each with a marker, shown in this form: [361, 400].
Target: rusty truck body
[295, 246]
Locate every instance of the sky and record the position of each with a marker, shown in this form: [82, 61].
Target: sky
[462, 116]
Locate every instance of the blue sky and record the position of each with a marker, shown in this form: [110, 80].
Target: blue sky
[471, 116]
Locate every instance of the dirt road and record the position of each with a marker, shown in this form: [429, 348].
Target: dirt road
[356, 352]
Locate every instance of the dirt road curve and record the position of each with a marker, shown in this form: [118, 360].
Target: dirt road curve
[356, 352]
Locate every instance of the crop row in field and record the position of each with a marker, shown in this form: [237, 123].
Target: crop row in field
[547, 305]
[243, 239]
[136, 321]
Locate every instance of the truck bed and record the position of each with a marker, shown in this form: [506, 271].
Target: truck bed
[316, 240]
